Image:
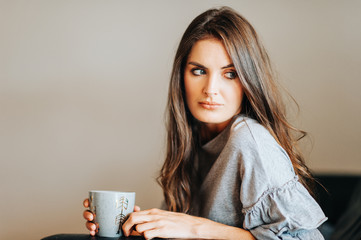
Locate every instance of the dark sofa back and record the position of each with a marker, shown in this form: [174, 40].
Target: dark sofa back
[335, 200]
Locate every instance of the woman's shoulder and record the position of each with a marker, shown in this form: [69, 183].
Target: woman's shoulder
[259, 153]
[250, 132]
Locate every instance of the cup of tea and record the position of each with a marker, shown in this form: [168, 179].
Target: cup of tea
[110, 209]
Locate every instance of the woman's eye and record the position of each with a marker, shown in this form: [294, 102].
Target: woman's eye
[198, 72]
[231, 75]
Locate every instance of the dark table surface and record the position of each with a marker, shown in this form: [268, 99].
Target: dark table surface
[88, 237]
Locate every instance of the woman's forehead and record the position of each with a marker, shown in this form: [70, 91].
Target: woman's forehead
[209, 51]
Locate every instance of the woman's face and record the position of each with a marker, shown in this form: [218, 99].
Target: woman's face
[213, 90]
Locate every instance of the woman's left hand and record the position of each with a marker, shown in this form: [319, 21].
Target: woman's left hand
[164, 224]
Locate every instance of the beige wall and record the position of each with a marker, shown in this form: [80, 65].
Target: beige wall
[83, 88]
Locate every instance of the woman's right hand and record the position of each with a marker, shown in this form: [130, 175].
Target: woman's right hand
[89, 216]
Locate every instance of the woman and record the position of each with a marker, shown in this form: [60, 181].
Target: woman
[232, 169]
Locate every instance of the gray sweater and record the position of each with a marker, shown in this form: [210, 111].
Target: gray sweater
[247, 180]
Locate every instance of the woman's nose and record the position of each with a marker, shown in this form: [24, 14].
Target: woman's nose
[211, 85]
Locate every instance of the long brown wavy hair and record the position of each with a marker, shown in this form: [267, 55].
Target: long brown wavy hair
[261, 101]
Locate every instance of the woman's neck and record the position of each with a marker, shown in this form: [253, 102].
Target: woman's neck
[208, 131]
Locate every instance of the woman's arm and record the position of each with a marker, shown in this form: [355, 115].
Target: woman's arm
[164, 224]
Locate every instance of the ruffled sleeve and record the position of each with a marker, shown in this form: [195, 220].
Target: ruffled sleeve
[275, 204]
[288, 212]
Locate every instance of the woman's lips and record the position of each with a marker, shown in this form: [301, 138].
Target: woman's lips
[210, 105]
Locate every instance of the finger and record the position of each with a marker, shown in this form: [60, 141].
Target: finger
[86, 202]
[92, 233]
[135, 233]
[134, 219]
[136, 208]
[128, 228]
[143, 227]
[88, 215]
[91, 226]
[153, 233]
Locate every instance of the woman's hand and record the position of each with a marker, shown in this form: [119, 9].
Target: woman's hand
[89, 216]
[164, 224]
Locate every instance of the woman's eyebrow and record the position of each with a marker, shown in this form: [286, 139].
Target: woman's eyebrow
[197, 64]
[201, 66]
[228, 66]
